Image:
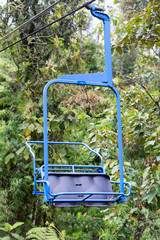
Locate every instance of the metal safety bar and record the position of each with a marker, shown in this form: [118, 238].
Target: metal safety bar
[73, 168]
[89, 194]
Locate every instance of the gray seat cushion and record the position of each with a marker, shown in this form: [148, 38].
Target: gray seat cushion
[82, 183]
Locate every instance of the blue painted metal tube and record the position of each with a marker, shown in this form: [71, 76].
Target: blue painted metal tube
[45, 131]
[126, 183]
[87, 200]
[107, 43]
[46, 189]
[108, 58]
[120, 146]
[73, 170]
[86, 193]
[38, 193]
[66, 143]
[76, 168]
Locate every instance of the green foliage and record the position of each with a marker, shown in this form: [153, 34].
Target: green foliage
[80, 223]
[141, 27]
[41, 233]
[9, 233]
[123, 64]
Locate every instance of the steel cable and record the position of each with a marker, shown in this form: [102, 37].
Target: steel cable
[49, 24]
[30, 20]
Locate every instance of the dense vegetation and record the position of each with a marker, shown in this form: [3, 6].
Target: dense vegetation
[80, 114]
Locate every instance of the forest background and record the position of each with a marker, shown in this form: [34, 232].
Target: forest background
[80, 114]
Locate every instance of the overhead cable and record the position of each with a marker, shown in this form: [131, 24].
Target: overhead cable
[30, 20]
[49, 24]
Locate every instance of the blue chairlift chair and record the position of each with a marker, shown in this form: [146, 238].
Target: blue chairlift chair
[71, 185]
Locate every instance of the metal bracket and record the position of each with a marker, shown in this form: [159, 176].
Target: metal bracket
[106, 76]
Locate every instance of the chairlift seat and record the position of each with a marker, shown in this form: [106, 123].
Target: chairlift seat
[69, 186]
[78, 186]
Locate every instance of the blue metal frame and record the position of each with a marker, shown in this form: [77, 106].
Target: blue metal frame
[93, 79]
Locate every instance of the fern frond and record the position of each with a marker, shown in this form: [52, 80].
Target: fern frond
[42, 233]
[51, 234]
